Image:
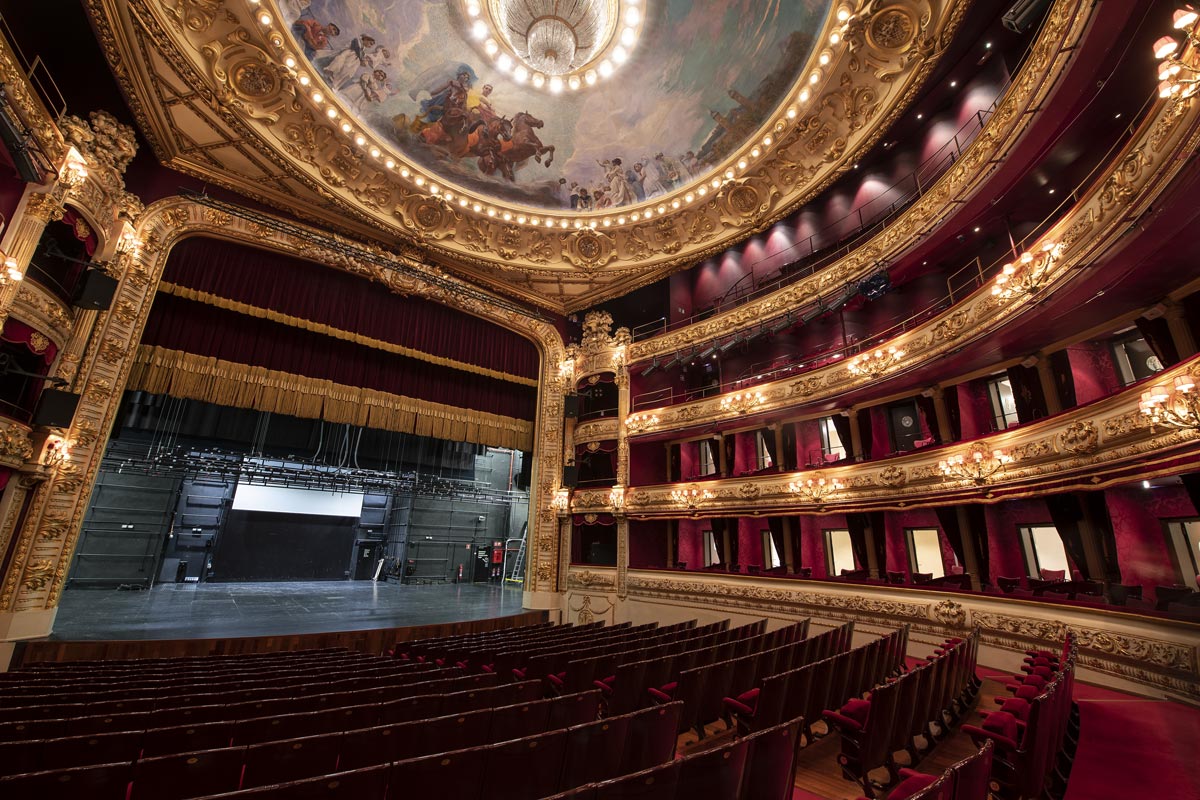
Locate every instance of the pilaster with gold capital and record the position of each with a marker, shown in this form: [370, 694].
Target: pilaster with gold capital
[40, 206]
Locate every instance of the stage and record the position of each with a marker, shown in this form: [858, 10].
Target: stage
[228, 610]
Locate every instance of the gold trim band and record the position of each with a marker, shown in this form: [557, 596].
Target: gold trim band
[211, 380]
[337, 333]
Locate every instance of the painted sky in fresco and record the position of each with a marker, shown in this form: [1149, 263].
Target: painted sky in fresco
[690, 56]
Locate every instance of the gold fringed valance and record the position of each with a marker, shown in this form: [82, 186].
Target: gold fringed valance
[337, 333]
[211, 380]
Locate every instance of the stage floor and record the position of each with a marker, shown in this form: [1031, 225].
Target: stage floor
[219, 610]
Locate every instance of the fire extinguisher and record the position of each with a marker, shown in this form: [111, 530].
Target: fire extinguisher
[459, 578]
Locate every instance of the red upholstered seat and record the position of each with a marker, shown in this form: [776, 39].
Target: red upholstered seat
[912, 783]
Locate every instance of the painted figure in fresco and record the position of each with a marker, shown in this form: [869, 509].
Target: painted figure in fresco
[374, 87]
[341, 68]
[479, 106]
[691, 163]
[670, 172]
[313, 35]
[620, 192]
[449, 99]
[637, 180]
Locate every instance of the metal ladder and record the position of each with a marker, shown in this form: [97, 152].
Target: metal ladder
[518, 567]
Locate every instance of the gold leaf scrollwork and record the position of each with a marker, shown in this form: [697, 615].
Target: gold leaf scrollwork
[893, 476]
[1080, 438]
[38, 574]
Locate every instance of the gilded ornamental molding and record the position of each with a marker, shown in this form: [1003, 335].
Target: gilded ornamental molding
[1048, 61]
[1103, 443]
[293, 155]
[1135, 178]
[1162, 655]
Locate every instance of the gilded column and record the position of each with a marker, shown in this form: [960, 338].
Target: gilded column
[945, 435]
[856, 448]
[1180, 330]
[617, 495]
[1049, 385]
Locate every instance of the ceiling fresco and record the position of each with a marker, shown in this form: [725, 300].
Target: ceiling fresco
[701, 81]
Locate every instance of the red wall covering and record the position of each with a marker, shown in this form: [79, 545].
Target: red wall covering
[1137, 518]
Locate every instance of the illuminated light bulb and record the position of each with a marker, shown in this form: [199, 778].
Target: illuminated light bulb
[549, 223]
[346, 127]
[491, 212]
[539, 80]
[606, 69]
[620, 220]
[716, 183]
[290, 62]
[490, 47]
[843, 13]
[578, 224]
[635, 216]
[620, 55]
[419, 180]
[633, 16]
[703, 190]
[1165, 46]
[477, 208]
[479, 29]
[360, 140]
[473, 10]
[434, 188]
[304, 80]
[520, 74]
[573, 82]
[507, 216]
[462, 201]
[755, 152]
[317, 97]
[374, 152]
[590, 77]
[729, 173]
[521, 219]
[689, 197]
[504, 63]
[674, 204]
[791, 112]
[767, 140]
[562, 223]
[331, 112]
[628, 37]
[814, 77]
[742, 163]
[556, 84]
[264, 18]
[835, 37]
[607, 222]
[1183, 18]
[824, 59]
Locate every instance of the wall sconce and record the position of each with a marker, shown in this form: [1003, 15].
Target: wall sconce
[743, 402]
[874, 364]
[816, 489]
[1177, 406]
[74, 172]
[1028, 273]
[616, 497]
[57, 451]
[640, 422]
[12, 273]
[1174, 76]
[561, 501]
[977, 464]
[690, 497]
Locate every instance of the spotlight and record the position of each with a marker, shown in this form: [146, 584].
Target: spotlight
[678, 357]
[729, 345]
[653, 366]
[708, 351]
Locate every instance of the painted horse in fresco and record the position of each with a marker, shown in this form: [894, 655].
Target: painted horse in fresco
[516, 141]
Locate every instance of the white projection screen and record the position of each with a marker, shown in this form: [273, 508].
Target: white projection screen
[282, 500]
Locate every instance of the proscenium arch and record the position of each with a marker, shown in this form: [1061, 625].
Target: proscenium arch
[106, 370]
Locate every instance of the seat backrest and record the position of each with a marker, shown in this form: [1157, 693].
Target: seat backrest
[771, 762]
[971, 775]
[714, 774]
[656, 783]
[651, 737]
[594, 751]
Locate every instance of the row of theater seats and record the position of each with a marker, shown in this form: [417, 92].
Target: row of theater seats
[966, 780]
[1036, 731]
[646, 734]
[907, 713]
[827, 682]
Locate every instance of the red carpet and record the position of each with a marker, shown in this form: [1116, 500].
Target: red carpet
[1130, 748]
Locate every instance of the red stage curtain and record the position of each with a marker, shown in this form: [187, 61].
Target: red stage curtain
[341, 300]
[37, 342]
[80, 225]
[205, 330]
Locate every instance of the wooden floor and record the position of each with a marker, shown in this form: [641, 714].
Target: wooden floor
[818, 776]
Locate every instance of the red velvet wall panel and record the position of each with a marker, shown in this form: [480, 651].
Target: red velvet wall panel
[1004, 542]
[648, 543]
[1093, 371]
[691, 542]
[749, 533]
[1137, 519]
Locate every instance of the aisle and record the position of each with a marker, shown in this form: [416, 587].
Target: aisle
[1130, 747]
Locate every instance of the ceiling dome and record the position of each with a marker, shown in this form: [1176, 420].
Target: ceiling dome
[552, 106]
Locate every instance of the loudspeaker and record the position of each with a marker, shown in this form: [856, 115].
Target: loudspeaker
[56, 409]
[95, 291]
[571, 406]
[570, 476]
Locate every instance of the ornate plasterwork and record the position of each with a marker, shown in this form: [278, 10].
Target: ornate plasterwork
[43, 311]
[1099, 444]
[597, 430]
[1145, 168]
[15, 445]
[241, 99]
[49, 535]
[1049, 58]
[1161, 655]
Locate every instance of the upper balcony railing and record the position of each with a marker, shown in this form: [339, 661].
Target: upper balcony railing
[837, 239]
[959, 284]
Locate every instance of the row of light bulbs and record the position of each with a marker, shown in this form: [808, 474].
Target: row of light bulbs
[632, 17]
[534, 220]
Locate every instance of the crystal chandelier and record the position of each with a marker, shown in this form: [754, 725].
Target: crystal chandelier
[977, 465]
[815, 489]
[1028, 273]
[874, 364]
[556, 43]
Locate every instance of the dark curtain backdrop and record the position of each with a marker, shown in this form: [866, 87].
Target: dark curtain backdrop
[1027, 393]
[1060, 363]
[1157, 334]
[1066, 513]
[205, 330]
[321, 294]
[842, 426]
[947, 517]
[789, 447]
[977, 524]
[857, 523]
[769, 442]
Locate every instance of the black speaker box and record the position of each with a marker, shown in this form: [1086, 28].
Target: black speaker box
[570, 476]
[526, 473]
[56, 409]
[571, 406]
[95, 291]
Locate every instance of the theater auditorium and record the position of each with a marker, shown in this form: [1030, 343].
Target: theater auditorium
[599, 399]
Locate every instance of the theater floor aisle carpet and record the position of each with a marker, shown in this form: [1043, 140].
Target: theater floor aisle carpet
[197, 611]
